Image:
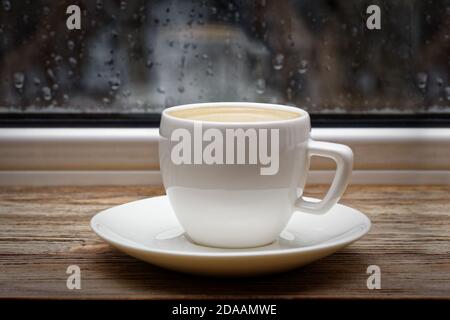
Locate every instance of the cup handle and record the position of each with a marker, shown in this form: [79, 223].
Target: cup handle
[343, 156]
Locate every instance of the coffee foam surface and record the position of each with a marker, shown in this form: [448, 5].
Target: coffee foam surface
[234, 114]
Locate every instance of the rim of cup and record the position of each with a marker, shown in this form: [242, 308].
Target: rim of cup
[303, 115]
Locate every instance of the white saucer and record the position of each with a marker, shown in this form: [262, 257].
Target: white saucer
[148, 230]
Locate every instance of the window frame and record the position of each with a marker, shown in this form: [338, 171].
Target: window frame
[152, 120]
[123, 155]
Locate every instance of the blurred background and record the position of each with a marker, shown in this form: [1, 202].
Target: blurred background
[138, 57]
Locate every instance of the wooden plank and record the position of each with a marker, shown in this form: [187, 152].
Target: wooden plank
[45, 229]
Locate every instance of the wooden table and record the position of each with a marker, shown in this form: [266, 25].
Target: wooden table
[44, 230]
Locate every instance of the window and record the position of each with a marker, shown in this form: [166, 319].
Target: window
[131, 59]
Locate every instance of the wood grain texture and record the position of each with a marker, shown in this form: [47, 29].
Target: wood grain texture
[44, 230]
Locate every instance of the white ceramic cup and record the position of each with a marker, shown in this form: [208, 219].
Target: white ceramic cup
[234, 205]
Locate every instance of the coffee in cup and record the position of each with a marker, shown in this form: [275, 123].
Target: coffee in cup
[233, 114]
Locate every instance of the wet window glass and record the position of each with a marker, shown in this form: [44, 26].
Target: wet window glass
[142, 56]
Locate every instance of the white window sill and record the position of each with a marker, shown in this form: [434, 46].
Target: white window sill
[130, 156]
